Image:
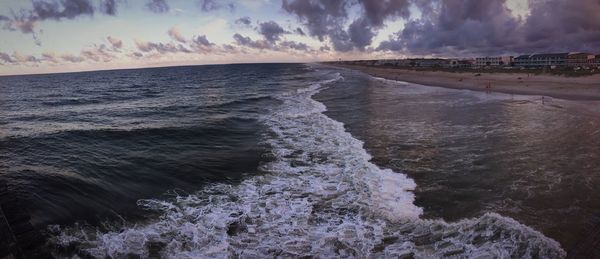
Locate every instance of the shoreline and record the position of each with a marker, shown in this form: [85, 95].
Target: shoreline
[568, 88]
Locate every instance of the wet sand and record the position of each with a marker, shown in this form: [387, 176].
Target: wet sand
[570, 88]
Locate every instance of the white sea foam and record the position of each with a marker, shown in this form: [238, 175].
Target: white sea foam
[320, 197]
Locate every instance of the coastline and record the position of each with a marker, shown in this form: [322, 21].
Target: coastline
[568, 88]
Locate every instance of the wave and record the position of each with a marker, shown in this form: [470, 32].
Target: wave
[321, 197]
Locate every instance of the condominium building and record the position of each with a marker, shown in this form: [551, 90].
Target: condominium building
[580, 59]
[547, 60]
[494, 61]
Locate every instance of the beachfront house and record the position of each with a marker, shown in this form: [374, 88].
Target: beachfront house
[522, 61]
[461, 63]
[430, 62]
[541, 60]
[595, 62]
[580, 59]
[548, 60]
[494, 61]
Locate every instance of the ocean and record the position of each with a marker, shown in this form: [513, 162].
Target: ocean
[294, 160]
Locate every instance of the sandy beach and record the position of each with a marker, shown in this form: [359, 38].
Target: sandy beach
[570, 88]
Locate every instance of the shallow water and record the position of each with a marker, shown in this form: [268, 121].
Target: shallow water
[255, 161]
[475, 152]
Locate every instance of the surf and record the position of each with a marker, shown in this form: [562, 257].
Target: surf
[319, 195]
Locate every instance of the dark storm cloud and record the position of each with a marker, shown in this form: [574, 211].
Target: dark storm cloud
[299, 31]
[323, 19]
[57, 10]
[473, 27]
[244, 20]
[271, 31]
[375, 13]
[158, 6]
[108, 7]
[326, 18]
[563, 25]
[361, 33]
[319, 17]
[458, 26]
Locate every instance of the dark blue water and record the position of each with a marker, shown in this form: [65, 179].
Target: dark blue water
[241, 161]
[87, 146]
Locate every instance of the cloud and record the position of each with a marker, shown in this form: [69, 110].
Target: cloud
[244, 20]
[473, 27]
[325, 48]
[294, 45]
[299, 31]
[25, 20]
[327, 19]
[271, 31]
[228, 47]
[25, 58]
[176, 35]
[201, 44]
[563, 25]
[202, 41]
[108, 7]
[98, 53]
[5, 58]
[320, 17]
[212, 5]
[71, 58]
[146, 46]
[158, 6]
[198, 44]
[116, 43]
[50, 57]
[248, 42]
[66, 9]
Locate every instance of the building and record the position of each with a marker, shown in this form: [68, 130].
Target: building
[429, 62]
[548, 60]
[461, 63]
[522, 61]
[494, 61]
[580, 59]
[595, 62]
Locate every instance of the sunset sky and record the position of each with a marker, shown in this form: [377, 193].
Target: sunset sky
[41, 36]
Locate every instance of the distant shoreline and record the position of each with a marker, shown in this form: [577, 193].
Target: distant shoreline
[570, 88]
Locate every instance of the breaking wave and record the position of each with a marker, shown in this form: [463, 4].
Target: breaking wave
[320, 196]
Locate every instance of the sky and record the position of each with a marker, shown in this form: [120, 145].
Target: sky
[45, 36]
